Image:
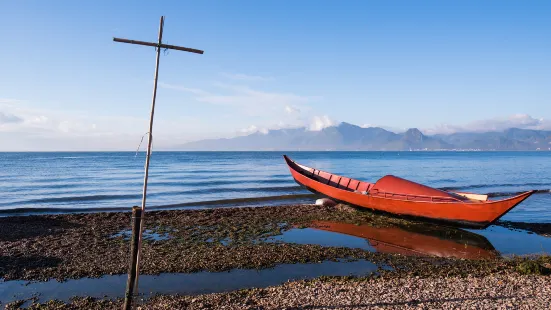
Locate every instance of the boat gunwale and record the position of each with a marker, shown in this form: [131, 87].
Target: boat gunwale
[471, 203]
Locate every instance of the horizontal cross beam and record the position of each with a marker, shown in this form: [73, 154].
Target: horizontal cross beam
[173, 47]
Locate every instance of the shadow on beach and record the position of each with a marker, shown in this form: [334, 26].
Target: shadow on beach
[17, 265]
[23, 227]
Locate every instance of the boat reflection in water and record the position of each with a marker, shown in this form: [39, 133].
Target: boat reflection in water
[417, 240]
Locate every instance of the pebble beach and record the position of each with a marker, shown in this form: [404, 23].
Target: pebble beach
[209, 243]
[504, 291]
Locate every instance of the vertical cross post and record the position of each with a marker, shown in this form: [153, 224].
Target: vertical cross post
[158, 46]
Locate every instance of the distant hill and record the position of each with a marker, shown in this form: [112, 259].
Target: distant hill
[349, 137]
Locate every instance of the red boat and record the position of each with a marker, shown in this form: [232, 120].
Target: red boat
[398, 196]
[411, 241]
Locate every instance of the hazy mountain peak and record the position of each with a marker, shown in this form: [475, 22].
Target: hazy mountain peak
[414, 134]
[345, 124]
[414, 131]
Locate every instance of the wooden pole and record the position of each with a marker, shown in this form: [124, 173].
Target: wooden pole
[148, 154]
[136, 224]
[136, 251]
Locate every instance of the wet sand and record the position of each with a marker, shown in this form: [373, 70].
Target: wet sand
[73, 246]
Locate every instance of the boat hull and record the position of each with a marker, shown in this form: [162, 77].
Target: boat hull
[474, 214]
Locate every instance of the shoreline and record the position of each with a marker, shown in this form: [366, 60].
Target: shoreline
[197, 205]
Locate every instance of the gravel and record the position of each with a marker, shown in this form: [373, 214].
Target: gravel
[492, 292]
[503, 291]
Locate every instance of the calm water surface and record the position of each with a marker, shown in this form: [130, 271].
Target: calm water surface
[53, 182]
[112, 286]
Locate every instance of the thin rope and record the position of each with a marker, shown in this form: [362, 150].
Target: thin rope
[150, 151]
[139, 145]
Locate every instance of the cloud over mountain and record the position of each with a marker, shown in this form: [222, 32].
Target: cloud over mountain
[522, 121]
[321, 122]
[295, 126]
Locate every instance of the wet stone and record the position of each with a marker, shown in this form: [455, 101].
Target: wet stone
[148, 234]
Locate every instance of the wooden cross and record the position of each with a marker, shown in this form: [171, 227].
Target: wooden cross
[133, 285]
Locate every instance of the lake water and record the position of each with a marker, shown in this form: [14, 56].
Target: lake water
[77, 181]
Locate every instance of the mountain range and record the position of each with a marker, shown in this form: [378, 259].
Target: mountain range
[349, 137]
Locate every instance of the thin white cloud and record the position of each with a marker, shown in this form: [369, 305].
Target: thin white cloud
[522, 121]
[248, 130]
[316, 123]
[24, 128]
[320, 122]
[194, 91]
[291, 110]
[9, 101]
[246, 99]
[245, 77]
[40, 122]
[252, 129]
[47, 129]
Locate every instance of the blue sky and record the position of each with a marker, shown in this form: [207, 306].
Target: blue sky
[440, 66]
